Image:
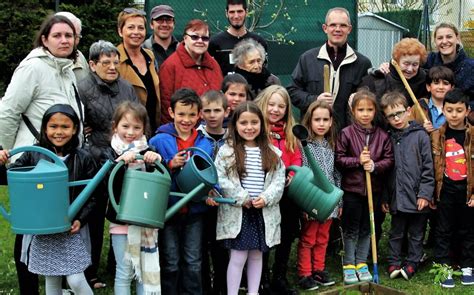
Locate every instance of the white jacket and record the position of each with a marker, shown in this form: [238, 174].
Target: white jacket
[40, 81]
[229, 217]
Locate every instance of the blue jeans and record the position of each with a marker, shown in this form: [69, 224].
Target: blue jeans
[180, 253]
[123, 271]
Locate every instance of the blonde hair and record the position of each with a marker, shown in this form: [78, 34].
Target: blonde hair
[262, 102]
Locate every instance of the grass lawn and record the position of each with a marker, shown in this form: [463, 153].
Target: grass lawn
[421, 283]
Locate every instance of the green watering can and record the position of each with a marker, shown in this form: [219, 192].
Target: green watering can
[309, 188]
[39, 195]
[144, 196]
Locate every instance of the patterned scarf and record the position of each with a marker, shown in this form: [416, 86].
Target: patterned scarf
[142, 247]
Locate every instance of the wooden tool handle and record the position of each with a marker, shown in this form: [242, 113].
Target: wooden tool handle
[410, 92]
[327, 83]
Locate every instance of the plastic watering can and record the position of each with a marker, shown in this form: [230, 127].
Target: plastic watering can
[310, 189]
[39, 195]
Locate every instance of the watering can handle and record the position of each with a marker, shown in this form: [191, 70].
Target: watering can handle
[157, 163]
[201, 153]
[38, 149]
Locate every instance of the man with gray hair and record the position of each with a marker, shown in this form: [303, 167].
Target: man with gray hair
[80, 67]
[161, 42]
[346, 68]
[101, 91]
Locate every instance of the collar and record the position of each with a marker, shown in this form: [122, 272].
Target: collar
[341, 50]
[111, 87]
[187, 60]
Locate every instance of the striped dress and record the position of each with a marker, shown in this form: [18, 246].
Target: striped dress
[252, 232]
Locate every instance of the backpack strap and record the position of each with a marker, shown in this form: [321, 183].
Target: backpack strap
[30, 127]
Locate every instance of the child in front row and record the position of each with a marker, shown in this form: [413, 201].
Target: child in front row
[214, 111]
[135, 248]
[314, 234]
[249, 171]
[360, 147]
[453, 146]
[61, 254]
[181, 239]
[410, 186]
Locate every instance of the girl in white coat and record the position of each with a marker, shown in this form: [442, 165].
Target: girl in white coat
[246, 165]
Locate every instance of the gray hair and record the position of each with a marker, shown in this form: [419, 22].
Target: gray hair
[339, 9]
[245, 46]
[102, 47]
[74, 19]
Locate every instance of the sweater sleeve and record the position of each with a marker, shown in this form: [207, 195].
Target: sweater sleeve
[343, 159]
[228, 180]
[300, 97]
[167, 77]
[273, 193]
[387, 159]
[427, 184]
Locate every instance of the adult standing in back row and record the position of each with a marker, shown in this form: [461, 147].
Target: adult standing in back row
[347, 67]
[222, 44]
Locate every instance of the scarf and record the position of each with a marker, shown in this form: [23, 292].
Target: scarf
[142, 247]
[277, 130]
[257, 81]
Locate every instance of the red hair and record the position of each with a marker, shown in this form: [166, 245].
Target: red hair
[409, 46]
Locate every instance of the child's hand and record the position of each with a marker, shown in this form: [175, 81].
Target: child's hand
[258, 202]
[364, 157]
[432, 205]
[339, 213]
[210, 202]
[421, 203]
[369, 166]
[247, 204]
[470, 203]
[4, 154]
[179, 159]
[385, 208]
[75, 227]
[428, 126]
[127, 157]
[151, 157]
[288, 179]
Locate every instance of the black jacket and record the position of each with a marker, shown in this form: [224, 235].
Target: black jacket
[413, 173]
[81, 166]
[100, 100]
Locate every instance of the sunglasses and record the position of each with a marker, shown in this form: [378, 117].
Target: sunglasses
[130, 10]
[196, 37]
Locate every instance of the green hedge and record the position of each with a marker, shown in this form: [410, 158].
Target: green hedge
[409, 19]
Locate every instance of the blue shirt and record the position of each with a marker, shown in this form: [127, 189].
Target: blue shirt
[437, 117]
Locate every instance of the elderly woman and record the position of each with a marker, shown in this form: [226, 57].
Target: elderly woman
[101, 92]
[189, 66]
[249, 56]
[137, 64]
[42, 79]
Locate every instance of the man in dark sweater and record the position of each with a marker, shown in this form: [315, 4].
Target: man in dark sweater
[221, 44]
[346, 67]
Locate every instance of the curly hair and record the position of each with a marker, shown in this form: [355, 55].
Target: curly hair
[409, 46]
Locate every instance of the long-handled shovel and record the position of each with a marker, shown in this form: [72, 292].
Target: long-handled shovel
[368, 180]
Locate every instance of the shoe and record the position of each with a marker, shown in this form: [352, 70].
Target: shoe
[408, 271]
[96, 283]
[394, 271]
[448, 283]
[66, 292]
[308, 283]
[363, 272]
[322, 278]
[467, 278]
[350, 276]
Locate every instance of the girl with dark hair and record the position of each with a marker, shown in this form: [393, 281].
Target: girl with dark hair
[62, 254]
[250, 171]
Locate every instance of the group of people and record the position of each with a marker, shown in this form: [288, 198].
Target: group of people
[158, 97]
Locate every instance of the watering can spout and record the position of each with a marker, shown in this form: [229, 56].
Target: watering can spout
[4, 213]
[88, 189]
[178, 205]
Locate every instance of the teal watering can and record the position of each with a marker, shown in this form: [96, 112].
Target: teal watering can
[144, 196]
[310, 189]
[39, 195]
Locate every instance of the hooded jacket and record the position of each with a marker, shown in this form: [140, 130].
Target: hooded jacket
[308, 80]
[413, 176]
[350, 144]
[166, 145]
[180, 70]
[40, 81]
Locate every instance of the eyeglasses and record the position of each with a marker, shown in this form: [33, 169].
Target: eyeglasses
[196, 37]
[130, 10]
[341, 26]
[398, 115]
[167, 20]
[107, 63]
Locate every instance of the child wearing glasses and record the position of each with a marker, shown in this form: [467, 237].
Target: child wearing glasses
[410, 185]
